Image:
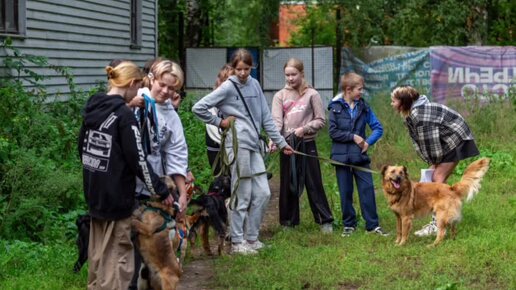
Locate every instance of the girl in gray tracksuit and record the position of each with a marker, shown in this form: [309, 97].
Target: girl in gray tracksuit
[253, 191]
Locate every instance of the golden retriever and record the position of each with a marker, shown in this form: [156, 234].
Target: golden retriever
[408, 199]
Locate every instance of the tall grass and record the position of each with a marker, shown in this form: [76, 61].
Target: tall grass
[481, 257]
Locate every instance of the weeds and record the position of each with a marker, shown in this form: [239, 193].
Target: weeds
[41, 195]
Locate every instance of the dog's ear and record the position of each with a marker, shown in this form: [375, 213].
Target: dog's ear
[191, 220]
[384, 168]
[405, 172]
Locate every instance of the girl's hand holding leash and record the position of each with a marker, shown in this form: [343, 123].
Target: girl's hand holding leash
[168, 201]
[137, 101]
[272, 146]
[287, 150]
[225, 123]
[183, 203]
[299, 132]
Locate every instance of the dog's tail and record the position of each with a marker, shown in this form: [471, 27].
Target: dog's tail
[469, 185]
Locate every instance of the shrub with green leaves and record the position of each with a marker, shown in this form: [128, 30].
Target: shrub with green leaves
[39, 168]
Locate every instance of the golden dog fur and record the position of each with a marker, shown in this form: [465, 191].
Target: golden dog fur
[408, 199]
[157, 248]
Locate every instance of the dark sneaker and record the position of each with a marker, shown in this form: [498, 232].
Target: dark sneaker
[269, 175]
[379, 231]
[348, 231]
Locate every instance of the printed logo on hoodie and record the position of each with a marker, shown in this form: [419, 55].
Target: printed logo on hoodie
[97, 147]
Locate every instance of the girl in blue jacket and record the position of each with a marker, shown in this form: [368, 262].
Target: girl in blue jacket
[349, 116]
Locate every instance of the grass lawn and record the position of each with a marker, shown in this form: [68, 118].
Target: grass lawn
[481, 257]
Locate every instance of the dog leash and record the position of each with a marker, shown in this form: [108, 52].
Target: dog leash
[336, 162]
[225, 164]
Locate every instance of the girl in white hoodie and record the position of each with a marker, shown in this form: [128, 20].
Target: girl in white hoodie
[162, 131]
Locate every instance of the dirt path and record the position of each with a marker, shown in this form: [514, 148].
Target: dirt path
[198, 270]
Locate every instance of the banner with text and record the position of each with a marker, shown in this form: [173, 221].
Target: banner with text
[461, 72]
[384, 74]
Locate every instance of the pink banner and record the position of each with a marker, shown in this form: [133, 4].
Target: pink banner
[463, 72]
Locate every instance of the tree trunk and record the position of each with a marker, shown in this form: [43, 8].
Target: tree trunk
[194, 27]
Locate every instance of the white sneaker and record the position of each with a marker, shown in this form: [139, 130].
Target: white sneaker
[243, 249]
[428, 230]
[257, 245]
[327, 228]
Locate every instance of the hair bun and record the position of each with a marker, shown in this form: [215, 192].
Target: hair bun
[110, 72]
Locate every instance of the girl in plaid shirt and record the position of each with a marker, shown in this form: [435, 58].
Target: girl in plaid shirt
[440, 135]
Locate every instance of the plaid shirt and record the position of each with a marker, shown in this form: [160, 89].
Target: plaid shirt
[436, 130]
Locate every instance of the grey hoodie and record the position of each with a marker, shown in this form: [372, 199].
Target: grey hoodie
[226, 99]
[420, 101]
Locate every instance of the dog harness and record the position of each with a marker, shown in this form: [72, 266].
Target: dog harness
[170, 223]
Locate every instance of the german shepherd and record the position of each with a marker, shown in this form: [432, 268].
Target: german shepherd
[162, 236]
[408, 199]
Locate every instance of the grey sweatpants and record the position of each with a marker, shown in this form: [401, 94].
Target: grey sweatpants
[253, 194]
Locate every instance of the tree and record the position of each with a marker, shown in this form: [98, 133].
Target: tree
[410, 22]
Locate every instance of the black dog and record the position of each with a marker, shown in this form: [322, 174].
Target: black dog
[83, 237]
[213, 212]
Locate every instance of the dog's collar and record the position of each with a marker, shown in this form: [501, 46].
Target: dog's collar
[214, 193]
[168, 222]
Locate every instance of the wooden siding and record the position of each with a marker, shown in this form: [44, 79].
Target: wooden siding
[84, 35]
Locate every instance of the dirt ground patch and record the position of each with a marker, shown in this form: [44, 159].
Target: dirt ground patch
[198, 271]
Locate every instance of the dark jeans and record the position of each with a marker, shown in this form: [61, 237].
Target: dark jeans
[366, 196]
[309, 176]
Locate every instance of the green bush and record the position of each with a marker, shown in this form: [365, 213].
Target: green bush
[39, 168]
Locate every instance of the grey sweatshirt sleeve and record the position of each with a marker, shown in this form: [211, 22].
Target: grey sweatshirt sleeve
[213, 99]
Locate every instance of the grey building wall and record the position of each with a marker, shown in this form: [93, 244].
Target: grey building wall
[85, 35]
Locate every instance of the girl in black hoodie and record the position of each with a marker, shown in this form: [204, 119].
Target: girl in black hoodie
[112, 156]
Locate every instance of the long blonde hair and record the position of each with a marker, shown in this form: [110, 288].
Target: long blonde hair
[123, 74]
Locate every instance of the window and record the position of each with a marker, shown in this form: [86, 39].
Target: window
[12, 17]
[136, 23]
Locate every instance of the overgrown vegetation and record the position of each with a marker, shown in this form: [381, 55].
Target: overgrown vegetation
[418, 23]
[41, 195]
[479, 258]
[40, 184]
